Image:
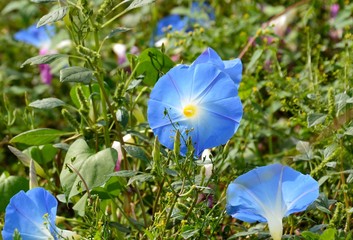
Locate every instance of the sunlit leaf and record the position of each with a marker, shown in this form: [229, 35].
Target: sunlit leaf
[76, 74]
[38, 136]
[53, 16]
[139, 3]
[47, 103]
[43, 59]
[84, 164]
[152, 63]
[315, 119]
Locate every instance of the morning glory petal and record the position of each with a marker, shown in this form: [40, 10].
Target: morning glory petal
[211, 130]
[299, 191]
[209, 56]
[270, 193]
[32, 214]
[203, 82]
[37, 37]
[174, 86]
[40, 196]
[233, 67]
[200, 101]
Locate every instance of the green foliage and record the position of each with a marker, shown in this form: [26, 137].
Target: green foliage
[296, 92]
[9, 186]
[152, 64]
[84, 169]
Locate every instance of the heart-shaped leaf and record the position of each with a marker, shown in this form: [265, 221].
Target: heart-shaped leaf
[83, 164]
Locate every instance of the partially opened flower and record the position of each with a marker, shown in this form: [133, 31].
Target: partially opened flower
[117, 146]
[41, 39]
[200, 101]
[267, 194]
[32, 215]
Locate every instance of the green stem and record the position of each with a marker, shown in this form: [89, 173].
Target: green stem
[159, 191]
[192, 206]
[141, 204]
[114, 18]
[127, 217]
[170, 213]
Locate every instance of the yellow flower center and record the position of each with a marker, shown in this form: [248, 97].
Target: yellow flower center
[189, 110]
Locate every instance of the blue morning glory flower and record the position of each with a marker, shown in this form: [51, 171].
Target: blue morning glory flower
[38, 37]
[200, 101]
[205, 12]
[199, 13]
[32, 214]
[267, 194]
[172, 23]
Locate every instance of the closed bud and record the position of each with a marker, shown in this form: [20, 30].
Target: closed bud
[156, 155]
[226, 150]
[177, 144]
[33, 182]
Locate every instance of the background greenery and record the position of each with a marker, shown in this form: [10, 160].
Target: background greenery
[296, 92]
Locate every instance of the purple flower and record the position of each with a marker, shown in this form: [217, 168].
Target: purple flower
[267, 194]
[200, 101]
[334, 9]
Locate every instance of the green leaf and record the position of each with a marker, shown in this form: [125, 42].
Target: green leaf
[15, 5]
[255, 57]
[43, 1]
[125, 173]
[310, 236]
[111, 189]
[47, 103]
[152, 63]
[80, 206]
[76, 74]
[349, 131]
[43, 59]
[341, 101]
[315, 119]
[93, 168]
[144, 177]
[26, 160]
[122, 115]
[136, 152]
[139, 3]
[328, 234]
[189, 233]
[53, 16]
[120, 227]
[9, 186]
[39, 136]
[116, 31]
[306, 151]
[42, 154]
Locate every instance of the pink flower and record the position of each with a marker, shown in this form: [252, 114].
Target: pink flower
[45, 69]
[117, 146]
